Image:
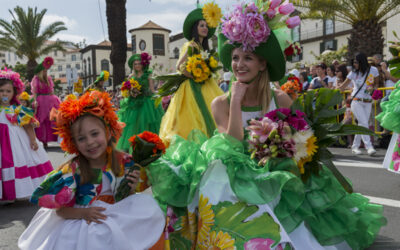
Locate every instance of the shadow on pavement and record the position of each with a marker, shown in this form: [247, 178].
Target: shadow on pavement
[18, 211]
[383, 242]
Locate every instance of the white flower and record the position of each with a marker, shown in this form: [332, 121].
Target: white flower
[301, 138]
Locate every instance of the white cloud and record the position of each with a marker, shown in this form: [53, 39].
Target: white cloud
[50, 18]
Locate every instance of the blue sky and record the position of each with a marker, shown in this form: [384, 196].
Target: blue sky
[83, 20]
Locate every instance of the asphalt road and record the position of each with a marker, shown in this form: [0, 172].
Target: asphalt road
[364, 171]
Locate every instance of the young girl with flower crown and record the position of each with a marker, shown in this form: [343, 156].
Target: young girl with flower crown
[220, 197]
[78, 209]
[24, 163]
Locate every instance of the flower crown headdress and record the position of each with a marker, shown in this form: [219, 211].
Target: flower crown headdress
[104, 75]
[144, 59]
[8, 74]
[261, 27]
[95, 103]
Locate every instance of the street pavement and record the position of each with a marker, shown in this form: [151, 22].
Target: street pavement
[365, 172]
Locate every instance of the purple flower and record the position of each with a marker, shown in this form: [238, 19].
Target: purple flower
[261, 129]
[272, 115]
[257, 31]
[377, 94]
[292, 22]
[271, 13]
[290, 148]
[274, 4]
[233, 25]
[286, 9]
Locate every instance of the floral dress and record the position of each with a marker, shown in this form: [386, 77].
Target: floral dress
[21, 168]
[219, 198]
[135, 222]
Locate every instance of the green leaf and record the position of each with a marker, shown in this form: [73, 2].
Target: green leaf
[232, 218]
[190, 51]
[329, 113]
[349, 129]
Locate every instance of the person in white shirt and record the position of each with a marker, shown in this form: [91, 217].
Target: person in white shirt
[330, 71]
[321, 81]
[362, 100]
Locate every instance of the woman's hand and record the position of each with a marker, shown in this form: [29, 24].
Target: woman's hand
[93, 214]
[133, 178]
[238, 90]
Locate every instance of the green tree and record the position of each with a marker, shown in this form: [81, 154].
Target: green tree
[329, 56]
[116, 22]
[21, 69]
[365, 16]
[25, 35]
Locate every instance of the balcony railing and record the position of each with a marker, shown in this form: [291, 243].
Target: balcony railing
[308, 34]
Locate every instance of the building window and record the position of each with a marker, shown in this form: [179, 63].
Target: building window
[59, 67]
[68, 66]
[158, 45]
[134, 44]
[142, 45]
[77, 66]
[105, 65]
[73, 58]
[328, 45]
[84, 67]
[296, 34]
[176, 53]
[329, 27]
[55, 53]
[89, 67]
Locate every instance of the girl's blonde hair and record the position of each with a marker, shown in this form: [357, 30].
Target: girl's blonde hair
[84, 167]
[42, 78]
[264, 91]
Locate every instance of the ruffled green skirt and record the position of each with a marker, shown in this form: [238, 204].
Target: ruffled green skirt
[215, 181]
[139, 114]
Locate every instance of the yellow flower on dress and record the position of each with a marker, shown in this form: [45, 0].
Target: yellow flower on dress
[311, 145]
[301, 162]
[189, 226]
[206, 220]
[212, 14]
[219, 241]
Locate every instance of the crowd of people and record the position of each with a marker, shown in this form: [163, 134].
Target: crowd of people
[237, 165]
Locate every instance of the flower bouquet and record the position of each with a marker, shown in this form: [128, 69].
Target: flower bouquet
[303, 133]
[202, 65]
[292, 87]
[293, 49]
[146, 148]
[131, 88]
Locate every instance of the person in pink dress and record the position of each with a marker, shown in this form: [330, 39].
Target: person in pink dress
[43, 89]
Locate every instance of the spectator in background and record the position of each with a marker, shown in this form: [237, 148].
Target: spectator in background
[335, 63]
[330, 71]
[321, 80]
[390, 81]
[304, 80]
[224, 85]
[313, 71]
[341, 73]
[377, 58]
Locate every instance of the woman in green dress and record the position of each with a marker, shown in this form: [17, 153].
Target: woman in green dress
[138, 110]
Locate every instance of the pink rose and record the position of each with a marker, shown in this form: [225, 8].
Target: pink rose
[286, 9]
[293, 22]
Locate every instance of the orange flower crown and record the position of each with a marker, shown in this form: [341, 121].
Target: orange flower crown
[149, 137]
[95, 103]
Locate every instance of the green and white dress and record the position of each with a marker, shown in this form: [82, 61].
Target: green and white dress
[216, 196]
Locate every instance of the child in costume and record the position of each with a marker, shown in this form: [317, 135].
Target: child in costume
[24, 163]
[99, 83]
[77, 200]
[43, 90]
[190, 107]
[389, 117]
[218, 196]
[137, 109]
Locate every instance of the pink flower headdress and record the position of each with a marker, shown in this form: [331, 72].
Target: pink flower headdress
[16, 81]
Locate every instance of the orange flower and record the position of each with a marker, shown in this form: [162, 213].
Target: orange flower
[95, 103]
[149, 137]
[291, 87]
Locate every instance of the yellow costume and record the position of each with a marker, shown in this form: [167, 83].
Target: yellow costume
[184, 114]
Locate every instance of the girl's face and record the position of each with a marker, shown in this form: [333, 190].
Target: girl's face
[339, 74]
[137, 65]
[6, 94]
[329, 72]
[202, 29]
[89, 134]
[246, 65]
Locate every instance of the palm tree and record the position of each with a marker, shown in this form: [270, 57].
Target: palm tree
[116, 22]
[25, 36]
[365, 16]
